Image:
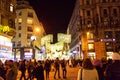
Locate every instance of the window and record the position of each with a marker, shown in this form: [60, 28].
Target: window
[88, 2]
[19, 27]
[13, 44]
[88, 13]
[11, 7]
[19, 43]
[20, 20]
[117, 36]
[115, 12]
[29, 29]
[30, 14]
[29, 36]
[19, 35]
[105, 12]
[104, 1]
[113, 0]
[90, 46]
[109, 46]
[89, 25]
[29, 21]
[20, 13]
[89, 35]
[108, 34]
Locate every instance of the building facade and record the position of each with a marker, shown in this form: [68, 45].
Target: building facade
[96, 26]
[29, 30]
[7, 28]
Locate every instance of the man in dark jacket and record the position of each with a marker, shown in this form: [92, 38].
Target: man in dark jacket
[57, 67]
[39, 71]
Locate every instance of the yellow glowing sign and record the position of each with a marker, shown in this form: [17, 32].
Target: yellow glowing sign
[4, 28]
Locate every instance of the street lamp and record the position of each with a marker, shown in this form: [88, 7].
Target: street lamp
[33, 38]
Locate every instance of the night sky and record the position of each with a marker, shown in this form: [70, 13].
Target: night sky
[54, 14]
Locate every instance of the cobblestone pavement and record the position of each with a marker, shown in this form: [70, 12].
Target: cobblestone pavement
[72, 73]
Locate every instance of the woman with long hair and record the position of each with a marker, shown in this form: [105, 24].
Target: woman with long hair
[87, 71]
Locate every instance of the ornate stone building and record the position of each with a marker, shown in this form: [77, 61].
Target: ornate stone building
[7, 27]
[96, 24]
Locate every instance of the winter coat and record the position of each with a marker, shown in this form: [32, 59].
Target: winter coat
[88, 74]
[114, 71]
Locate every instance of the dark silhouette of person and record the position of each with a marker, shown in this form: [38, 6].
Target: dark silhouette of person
[64, 70]
[47, 67]
[57, 67]
[39, 71]
[22, 68]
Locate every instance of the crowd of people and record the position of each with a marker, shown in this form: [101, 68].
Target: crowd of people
[35, 69]
[89, 69]
[100, 69]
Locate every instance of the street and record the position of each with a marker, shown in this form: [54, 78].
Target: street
[71, 74]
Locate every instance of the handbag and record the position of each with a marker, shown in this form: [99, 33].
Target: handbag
[81, 74]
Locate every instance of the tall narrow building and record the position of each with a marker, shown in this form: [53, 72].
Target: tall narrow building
[7, 28]
[96, 24]
[29, 31]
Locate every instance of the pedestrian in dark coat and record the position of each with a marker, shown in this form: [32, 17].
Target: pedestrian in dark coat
[47, 67]
[64, 70]
[57, 67]
[98, 65]
[22, 68]
[114, 68]
[39, 71]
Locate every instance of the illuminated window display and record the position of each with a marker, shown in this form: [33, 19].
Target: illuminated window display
[5, 48]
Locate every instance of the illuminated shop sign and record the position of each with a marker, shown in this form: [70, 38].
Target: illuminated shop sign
[106, 39]
[5, 47]
[4, 28]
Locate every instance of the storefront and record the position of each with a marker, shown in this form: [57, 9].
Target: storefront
[5, 48]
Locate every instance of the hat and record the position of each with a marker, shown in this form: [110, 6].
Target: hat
[115, 56]
[97, 62]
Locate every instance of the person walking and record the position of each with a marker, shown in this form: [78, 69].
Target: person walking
[64, 70]
[22, 68]
[39, 71]
[47, 67]
[98, 65]
[57, 67]
[113, 72]
[88, 71]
